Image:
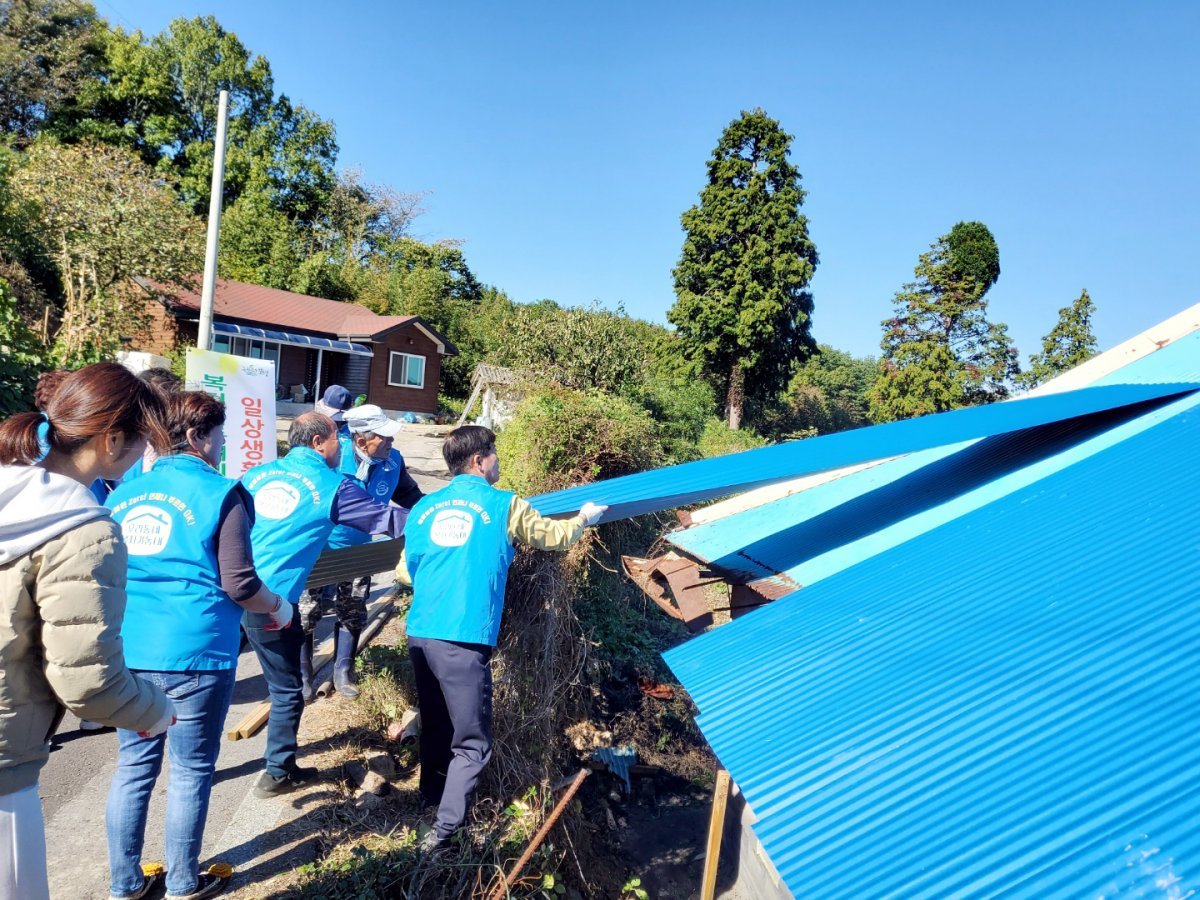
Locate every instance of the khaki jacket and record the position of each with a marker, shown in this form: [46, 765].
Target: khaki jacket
[61, 606]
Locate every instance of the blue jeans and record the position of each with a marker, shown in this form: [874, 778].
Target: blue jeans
[279, 655]
[201, 701]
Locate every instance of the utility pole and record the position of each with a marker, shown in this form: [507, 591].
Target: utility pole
[204, 335]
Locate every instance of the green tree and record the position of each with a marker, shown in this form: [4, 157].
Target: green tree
[260, 244]
[741, 300]
[106, 220]
[1070, 343]
[48, 50]
[940, 352]
[158, 97]
[22, 357]
[827, 394]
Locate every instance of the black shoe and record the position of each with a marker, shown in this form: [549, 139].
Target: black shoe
[153, 875]
[269, 786]
[211, 883]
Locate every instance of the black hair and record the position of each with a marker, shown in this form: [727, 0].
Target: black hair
[463, 443]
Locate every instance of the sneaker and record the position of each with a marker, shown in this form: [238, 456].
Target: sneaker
[431, 845]
[211, 883]
[269, 786]
[85, 725]
[152, 876]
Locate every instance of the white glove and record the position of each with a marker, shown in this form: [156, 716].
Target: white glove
[281, 615]
[162, 724]
[591, 512]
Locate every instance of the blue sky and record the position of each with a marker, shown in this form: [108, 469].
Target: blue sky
[561, 142]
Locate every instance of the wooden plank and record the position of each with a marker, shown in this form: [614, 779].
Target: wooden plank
[716, 826]
[470, 401]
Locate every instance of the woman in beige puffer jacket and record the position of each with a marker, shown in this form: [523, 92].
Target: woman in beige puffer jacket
[62, 593]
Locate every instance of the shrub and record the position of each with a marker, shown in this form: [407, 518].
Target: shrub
[682, 408]
[718, 440]
[561, 437]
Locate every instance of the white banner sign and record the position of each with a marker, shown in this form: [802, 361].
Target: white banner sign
[247, 387]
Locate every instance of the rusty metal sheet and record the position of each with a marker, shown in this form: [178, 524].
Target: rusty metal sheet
[675, 585]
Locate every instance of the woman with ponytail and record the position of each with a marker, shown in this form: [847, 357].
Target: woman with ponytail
[62, 592]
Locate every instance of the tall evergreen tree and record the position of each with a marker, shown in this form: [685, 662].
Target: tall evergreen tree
[1068, 344]
[742, 306]
[940, 352]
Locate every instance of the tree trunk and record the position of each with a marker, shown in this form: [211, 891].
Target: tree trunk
[735, 399]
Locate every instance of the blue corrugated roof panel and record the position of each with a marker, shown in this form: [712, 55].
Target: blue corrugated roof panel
[708, 479]
[1003, 703]
[804, 537]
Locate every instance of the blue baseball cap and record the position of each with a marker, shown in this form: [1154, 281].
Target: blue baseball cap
[334, 402]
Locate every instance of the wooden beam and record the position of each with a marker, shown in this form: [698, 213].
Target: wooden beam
[716, 826]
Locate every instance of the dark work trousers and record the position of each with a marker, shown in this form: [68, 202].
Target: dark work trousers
[279, 654]
[454, 693]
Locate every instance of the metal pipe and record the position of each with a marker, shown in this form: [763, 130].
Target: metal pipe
[511, 877]
[204, 332]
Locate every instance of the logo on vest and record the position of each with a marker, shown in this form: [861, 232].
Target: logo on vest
[381, 488]
[146, 530]
[451, 528]
[277, 500]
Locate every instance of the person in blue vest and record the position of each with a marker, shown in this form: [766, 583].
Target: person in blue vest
[369, 460]
[459, 543]
[297, 502]
[191, 577]
[167, 383]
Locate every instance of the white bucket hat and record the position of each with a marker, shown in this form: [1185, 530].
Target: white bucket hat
[362, 419]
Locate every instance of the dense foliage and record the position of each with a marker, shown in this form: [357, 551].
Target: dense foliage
[21, 357]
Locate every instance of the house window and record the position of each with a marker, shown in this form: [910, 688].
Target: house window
[406, 370]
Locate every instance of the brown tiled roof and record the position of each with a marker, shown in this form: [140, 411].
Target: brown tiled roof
[283, 309]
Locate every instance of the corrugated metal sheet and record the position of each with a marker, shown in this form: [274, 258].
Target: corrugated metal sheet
[808, 536]
[707, 479]
[1003, 703]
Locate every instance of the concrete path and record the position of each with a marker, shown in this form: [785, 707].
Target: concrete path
[241, 829]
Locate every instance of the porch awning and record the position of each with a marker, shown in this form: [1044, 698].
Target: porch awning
[299, 340]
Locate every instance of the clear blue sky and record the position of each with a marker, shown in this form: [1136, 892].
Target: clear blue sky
[561, 141]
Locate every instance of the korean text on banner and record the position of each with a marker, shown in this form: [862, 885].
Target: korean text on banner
[247, 387]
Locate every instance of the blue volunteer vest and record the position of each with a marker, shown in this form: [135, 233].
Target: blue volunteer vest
[293, 498]
[380, 484]
[178, 618]
[458, 552]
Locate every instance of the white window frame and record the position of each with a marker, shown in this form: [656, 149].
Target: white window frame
[424, 363]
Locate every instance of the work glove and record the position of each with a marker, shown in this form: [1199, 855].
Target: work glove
[281, 615]
[591, 512]
[162, 724]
